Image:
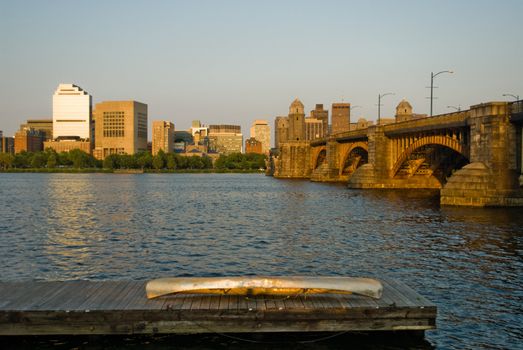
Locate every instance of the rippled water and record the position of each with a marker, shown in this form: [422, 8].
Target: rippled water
[104, 226]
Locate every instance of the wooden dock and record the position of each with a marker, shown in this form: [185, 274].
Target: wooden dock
[121, 307]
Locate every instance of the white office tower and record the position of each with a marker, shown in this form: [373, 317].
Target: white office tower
[71, 112]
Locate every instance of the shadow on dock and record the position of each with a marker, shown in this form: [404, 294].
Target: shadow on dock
[284, 341]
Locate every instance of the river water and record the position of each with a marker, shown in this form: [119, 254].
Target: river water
[106, 226]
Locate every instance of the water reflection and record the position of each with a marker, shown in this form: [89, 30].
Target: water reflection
[99, 226]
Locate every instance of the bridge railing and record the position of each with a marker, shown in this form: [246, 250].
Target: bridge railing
[352, 134]
[456, 119]
[516, 107]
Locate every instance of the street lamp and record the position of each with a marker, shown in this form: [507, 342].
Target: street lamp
[432, 76]
[380, 96]
[458, 108]
[513, 96]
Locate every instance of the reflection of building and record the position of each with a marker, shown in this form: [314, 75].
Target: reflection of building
[261, 131]
[71, 112]
[323, 115]
[121, 128]
[28, 140]
[43, 125]
[253, 146]
[314, 129]
[340, 117]
[163, 136]
[225, 139]
[281, 130]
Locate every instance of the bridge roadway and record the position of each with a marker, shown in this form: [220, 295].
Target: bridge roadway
[474, 156]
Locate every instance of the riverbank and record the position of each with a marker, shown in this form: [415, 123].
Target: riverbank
[132, 171]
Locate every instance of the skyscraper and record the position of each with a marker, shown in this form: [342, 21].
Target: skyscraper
[261, 131]
[163, 136]
[323, 115]
[71, 112]
[340, 117]
[121, 128]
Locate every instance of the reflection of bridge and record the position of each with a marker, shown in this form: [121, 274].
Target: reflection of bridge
[474, 156]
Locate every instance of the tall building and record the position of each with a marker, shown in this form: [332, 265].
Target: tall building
[199, 132]
[7, 144]
[313, 129]
[253, 146]
[72, 109]
[225, 139]
[281, 130]
[323, 115]
[43, 125]
[296, 121]
[163, 136]
[340, 117]
[120, 128]
[28, 140]
[261, 131]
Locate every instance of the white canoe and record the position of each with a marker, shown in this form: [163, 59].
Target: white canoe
[263, 285]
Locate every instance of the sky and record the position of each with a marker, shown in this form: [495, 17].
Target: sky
[231, 62]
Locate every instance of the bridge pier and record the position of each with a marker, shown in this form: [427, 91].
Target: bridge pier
[491, 178]
[329, 170]
[293, 161]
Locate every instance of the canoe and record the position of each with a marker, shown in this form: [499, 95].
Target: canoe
[264, 285]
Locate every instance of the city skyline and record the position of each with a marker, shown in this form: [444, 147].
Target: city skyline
[234, 62]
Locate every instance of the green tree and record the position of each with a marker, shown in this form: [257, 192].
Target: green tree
[52, 160]
[158, 162]
[64, 159]
[80, 159]
[38, 160]
[127, 161]
[6, 160]
[171, 161]
[181, 162]
[22, 160]
[144, 160]
[111, 161]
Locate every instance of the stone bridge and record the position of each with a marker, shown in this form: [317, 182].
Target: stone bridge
[473, 156]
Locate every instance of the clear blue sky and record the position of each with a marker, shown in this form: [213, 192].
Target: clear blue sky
[236, 61]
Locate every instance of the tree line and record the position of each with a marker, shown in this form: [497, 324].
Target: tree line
[77, 159]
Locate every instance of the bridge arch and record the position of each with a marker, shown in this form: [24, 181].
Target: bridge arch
[318, 156]
[436, 155]
[355, 156]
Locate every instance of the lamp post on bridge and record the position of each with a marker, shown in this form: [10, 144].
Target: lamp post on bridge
[458, 108]
[432, 76]
[380, 96]
[513, 96]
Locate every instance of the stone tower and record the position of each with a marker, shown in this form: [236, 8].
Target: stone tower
[403, 111]
[296, 121]
[340, 117]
